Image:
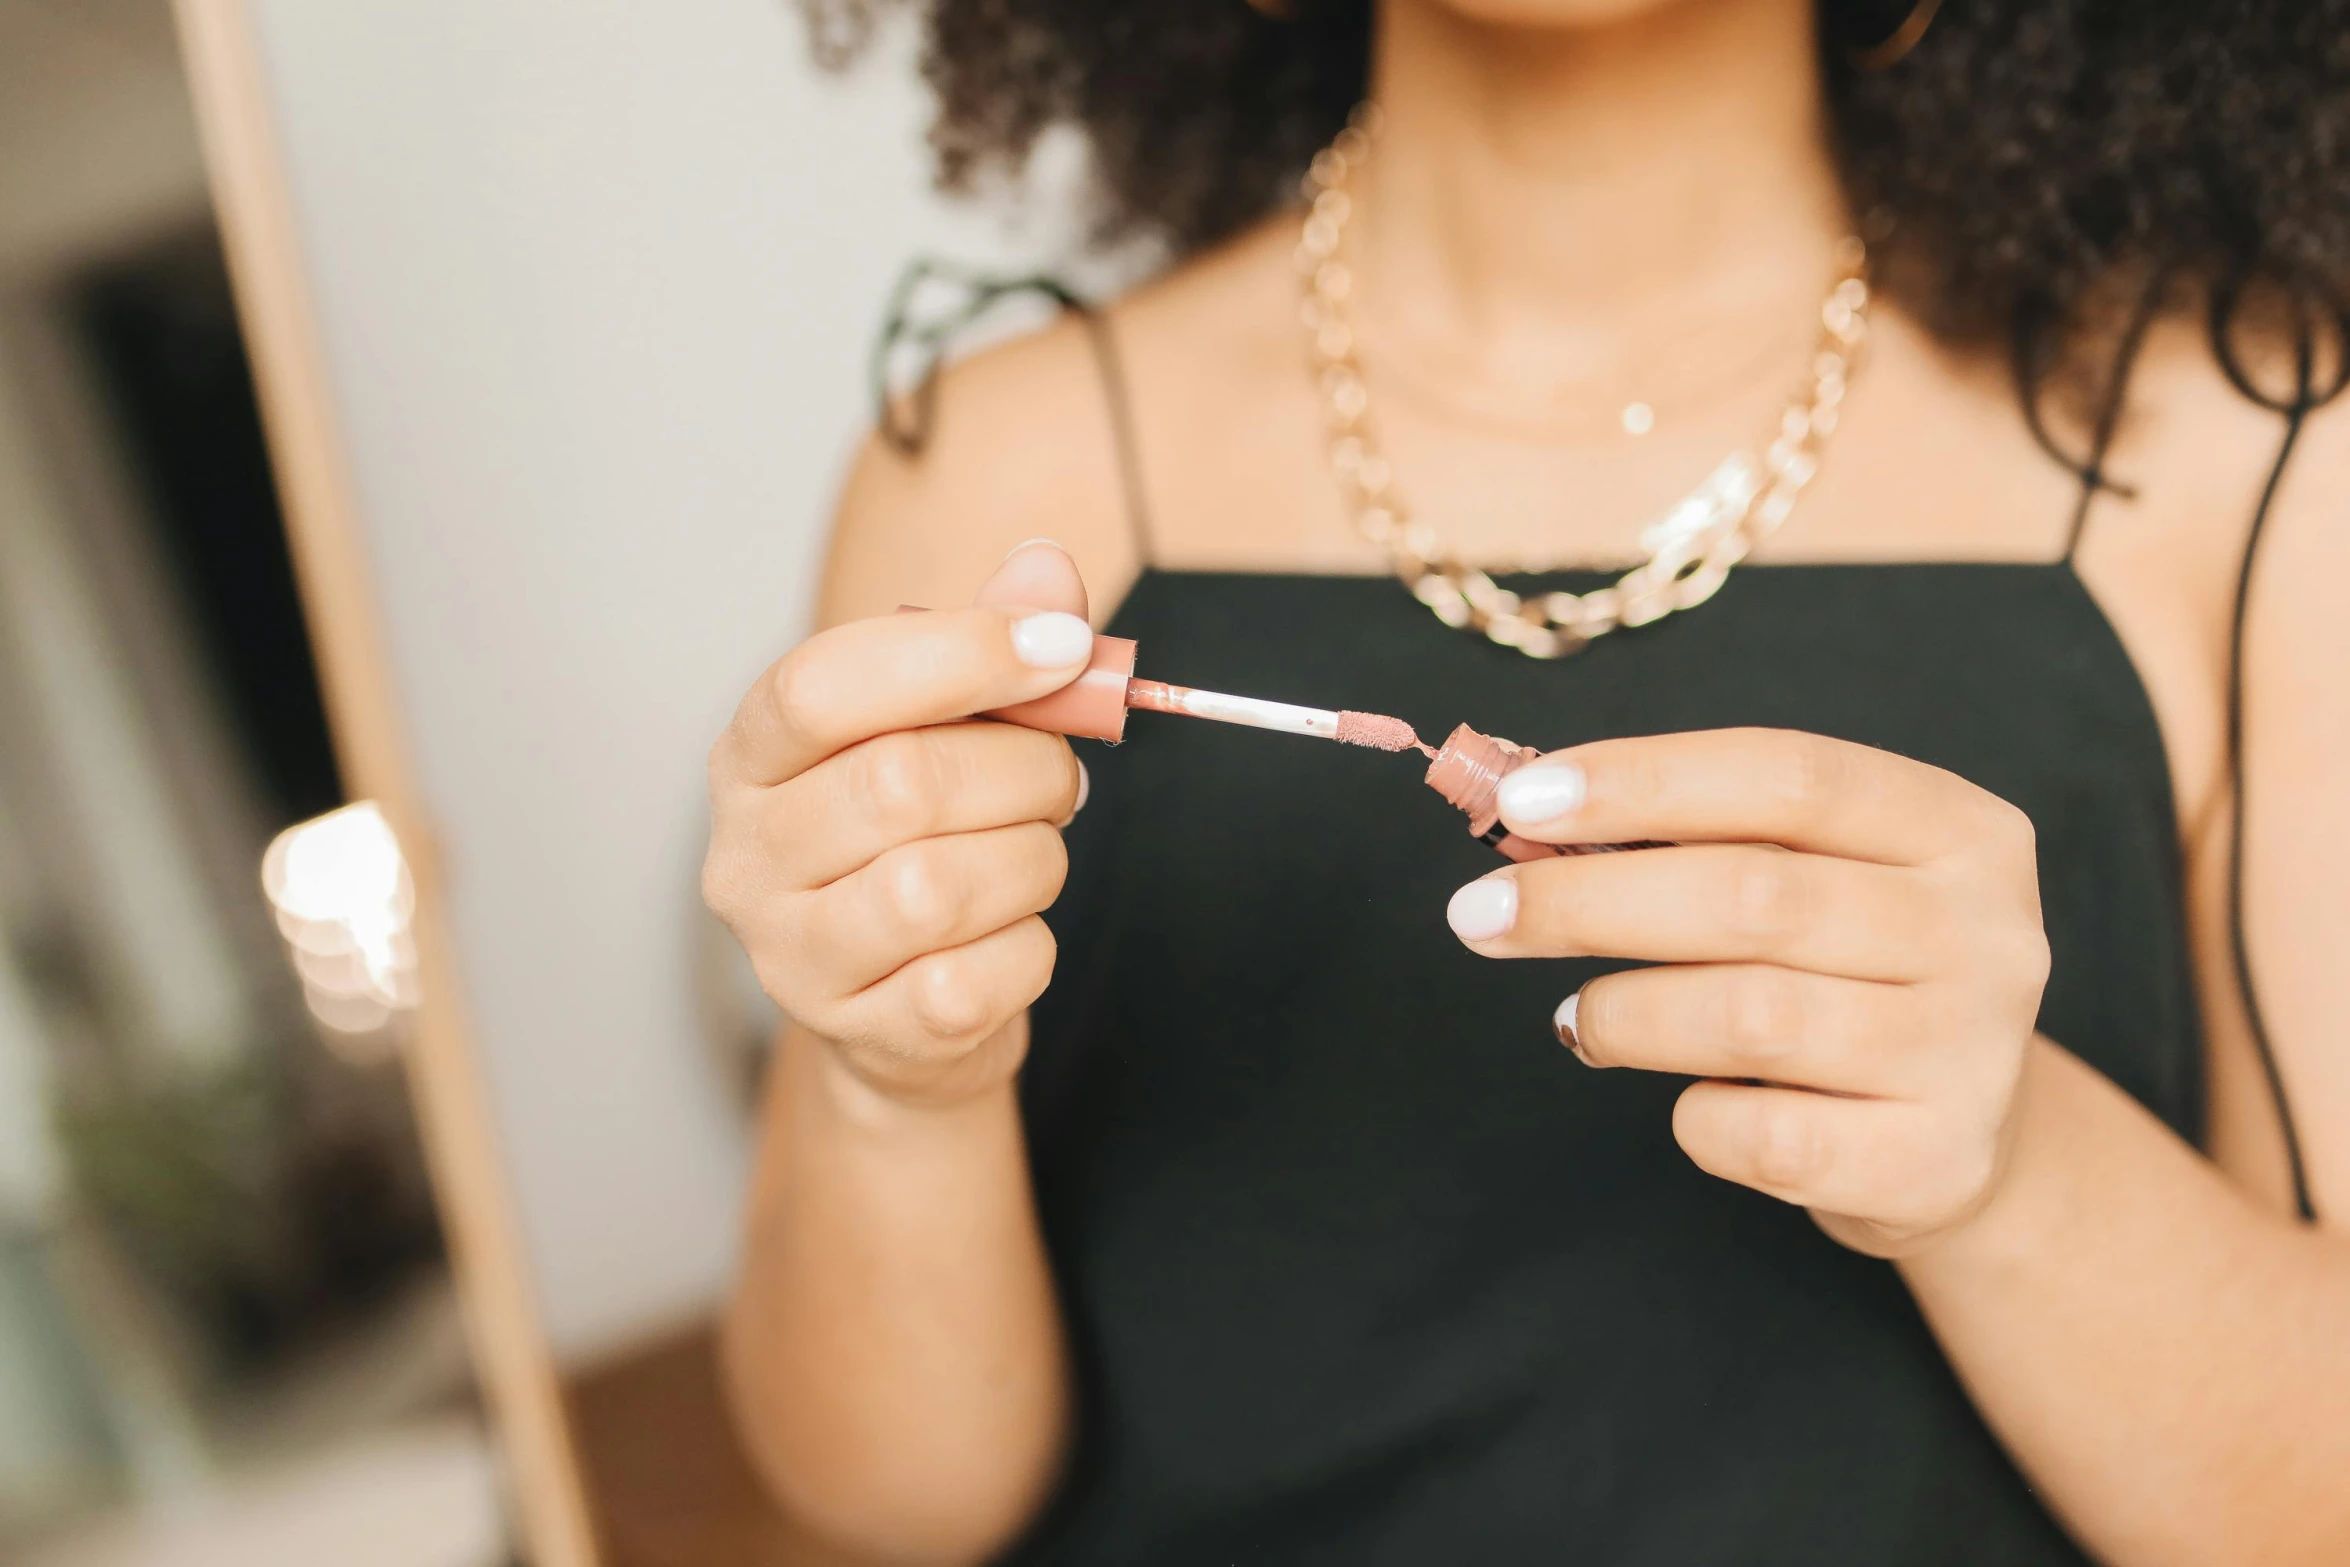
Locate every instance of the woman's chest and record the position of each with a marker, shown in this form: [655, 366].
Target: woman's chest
[1932, 467]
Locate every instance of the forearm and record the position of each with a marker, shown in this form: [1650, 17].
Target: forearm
[2168, 1362]
[894, 1346]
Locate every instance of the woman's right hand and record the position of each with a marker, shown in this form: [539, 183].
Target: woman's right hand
[882, 855]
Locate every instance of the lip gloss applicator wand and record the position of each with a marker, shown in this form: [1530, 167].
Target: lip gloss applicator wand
[1096, 703]
[1376, 730]
[1467, 770]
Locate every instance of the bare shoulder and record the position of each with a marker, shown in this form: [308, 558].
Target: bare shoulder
[2191, 462]
[1018, 446]
[2206, 455]
[2297, 772]
[2242, 463]
[2223, 451]
[2298, 637]
[2201, 452]
[1220, 373]
[1022, 444]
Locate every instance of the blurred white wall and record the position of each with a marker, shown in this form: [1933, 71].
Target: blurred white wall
[597, 282]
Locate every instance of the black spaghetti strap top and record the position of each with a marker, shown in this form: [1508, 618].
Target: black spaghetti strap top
[1359, 1266]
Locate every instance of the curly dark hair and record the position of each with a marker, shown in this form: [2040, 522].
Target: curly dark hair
[2042, 158]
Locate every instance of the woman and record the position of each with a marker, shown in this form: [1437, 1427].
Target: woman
[1952, 1191]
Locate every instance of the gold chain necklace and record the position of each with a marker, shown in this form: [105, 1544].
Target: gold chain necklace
[1692, 546]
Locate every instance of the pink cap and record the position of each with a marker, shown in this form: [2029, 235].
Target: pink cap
[1093, 705]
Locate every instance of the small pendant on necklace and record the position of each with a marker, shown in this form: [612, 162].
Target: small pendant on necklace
[1639, 418]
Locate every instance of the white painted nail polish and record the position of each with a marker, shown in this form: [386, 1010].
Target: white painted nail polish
[1562, 1023]
[1084, 789]
[1483, 909]
[1542, 791]
[1051, 640]
[1039, 539]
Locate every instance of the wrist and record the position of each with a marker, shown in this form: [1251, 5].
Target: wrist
[894, 1106]
[2029, 1202]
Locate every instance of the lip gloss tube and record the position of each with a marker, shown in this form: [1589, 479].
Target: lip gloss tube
[1468, 771]
[1093, 705]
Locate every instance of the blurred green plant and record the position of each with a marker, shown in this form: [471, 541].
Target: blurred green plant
[262, 1208]
[184, 1168]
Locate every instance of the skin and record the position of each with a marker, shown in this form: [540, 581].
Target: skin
[2154, 1339]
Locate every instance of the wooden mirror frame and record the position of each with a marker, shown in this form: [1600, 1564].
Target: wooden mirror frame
[511, 1354]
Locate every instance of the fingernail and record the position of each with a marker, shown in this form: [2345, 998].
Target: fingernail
[1562, 1023]
[1542, 792]
[1051, 639]
[1483, 909]
[1039, 539]
[1084, 789]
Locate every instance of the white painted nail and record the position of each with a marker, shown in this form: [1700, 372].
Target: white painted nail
[1039, 539]
[1084, 792]
[1051, 640]
[1483, 909]
[1542, 792]
[1562, 1022]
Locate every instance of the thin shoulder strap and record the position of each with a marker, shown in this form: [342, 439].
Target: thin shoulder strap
[2308, 394]
[2114, 399]
[1112, 367]
[908, 353]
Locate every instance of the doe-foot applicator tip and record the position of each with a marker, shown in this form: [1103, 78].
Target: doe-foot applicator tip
[1378, 731]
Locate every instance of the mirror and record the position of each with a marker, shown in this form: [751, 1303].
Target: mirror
[228, 1324]
[559, 376]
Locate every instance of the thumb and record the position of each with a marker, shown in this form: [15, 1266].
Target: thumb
[1036, 575]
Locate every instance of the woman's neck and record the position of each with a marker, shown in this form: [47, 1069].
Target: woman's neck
[1555, 204]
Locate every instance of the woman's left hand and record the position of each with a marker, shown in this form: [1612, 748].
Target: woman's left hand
[1851, 960]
